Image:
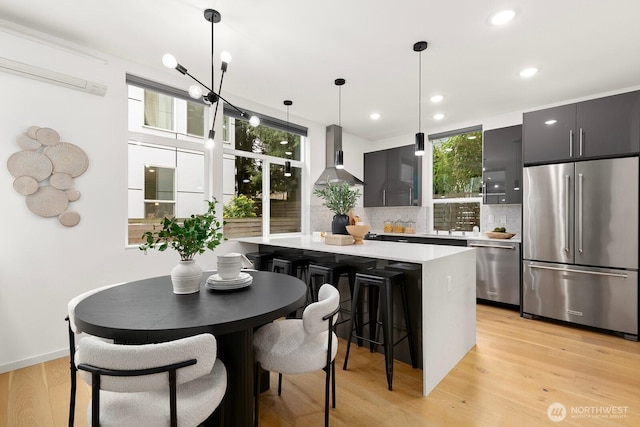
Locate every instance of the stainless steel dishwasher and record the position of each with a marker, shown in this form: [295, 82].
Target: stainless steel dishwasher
[497, 270]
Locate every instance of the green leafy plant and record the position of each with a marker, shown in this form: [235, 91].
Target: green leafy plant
[339, 198]
[194, 235]
[239, 207]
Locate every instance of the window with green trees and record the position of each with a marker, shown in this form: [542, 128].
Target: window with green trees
[457, 180]
[267, 148]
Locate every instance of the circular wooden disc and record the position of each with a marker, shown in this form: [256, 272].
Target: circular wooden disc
[68, 158]
[61, 181]
[72, 194]
[31, 131]
[69, 218]
[47, 202]
[47, 136]
[25, 185]
[30, 163]
[27, 143]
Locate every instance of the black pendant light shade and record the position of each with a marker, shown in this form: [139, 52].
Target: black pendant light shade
[419, 149]
[287, 168]
[339, 160]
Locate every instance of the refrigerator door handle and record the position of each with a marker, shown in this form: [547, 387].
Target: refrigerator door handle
[580, 176]
[567, 203]
[571, 270]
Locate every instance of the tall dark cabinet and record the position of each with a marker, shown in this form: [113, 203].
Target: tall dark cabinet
[502, 165]
[392, 177]
[603, 127]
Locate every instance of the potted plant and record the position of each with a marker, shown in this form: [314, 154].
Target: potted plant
[191, 236]
[340, 199]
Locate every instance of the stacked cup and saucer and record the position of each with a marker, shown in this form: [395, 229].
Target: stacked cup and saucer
[229, 275]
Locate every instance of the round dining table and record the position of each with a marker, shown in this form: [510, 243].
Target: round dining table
[147, 311]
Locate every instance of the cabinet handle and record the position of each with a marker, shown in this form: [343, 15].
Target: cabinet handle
[410, 196]
[384, 197]
[479, 245]
[570, 142]
[567, 183]
[581, 133]
[571, 270]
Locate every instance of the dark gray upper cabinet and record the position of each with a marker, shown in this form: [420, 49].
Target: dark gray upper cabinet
[603, 127]
[502, 165]
[392, 177]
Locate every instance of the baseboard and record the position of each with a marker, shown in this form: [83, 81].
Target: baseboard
[33, 360]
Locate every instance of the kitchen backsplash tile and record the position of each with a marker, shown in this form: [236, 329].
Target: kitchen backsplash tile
[491, 216]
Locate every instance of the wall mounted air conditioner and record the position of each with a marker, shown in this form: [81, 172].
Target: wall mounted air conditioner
[53, 77]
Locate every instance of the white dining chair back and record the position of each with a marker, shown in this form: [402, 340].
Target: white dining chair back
[296, 346]
[179, 382]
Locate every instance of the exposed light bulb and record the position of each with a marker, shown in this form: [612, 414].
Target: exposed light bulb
[225, 57]
[210, 140]
[254, 121]
[195, 92]
[169, 61]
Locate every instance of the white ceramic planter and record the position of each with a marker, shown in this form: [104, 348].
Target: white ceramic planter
[186, 277]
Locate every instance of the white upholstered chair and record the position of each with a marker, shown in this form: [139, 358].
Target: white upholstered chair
[173, 383]
[296, 346]
[75, 335]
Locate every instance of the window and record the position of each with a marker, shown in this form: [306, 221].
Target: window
[166, 156]
[457, 179]
[255, 158]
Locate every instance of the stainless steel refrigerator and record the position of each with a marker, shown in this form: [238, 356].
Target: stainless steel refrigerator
[580, 243]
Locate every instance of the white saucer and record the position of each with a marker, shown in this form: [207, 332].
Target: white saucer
[216, 283]
[242, 277]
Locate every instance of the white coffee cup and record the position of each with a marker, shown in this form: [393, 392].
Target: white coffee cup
[230, 265]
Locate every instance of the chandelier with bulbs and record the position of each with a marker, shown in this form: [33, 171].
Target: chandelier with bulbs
[210, 97]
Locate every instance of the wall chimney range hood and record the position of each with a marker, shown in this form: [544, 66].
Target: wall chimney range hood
[331, 175]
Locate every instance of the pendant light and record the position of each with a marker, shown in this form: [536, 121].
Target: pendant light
[288, 103]
[287, 168]
[339, 160]
[211, 97]
[419, 149]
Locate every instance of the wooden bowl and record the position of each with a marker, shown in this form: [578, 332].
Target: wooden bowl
[358, 232]
[498, 235]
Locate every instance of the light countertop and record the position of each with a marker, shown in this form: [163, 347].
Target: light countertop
[370, 248]
[467, 236]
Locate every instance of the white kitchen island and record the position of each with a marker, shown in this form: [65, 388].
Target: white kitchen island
[448, 293]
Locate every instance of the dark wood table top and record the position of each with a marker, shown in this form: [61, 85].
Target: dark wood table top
[147, 310]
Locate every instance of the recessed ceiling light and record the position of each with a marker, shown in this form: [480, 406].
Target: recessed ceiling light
[502, 17]
[374, 116]
[551, 122]
[438, 116]
[528, 72]
[436, 98]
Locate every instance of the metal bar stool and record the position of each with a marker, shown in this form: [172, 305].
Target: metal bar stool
[329, 272]
[261, 260]
[293, 265]
[380, 283]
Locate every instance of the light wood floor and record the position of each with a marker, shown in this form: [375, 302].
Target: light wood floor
[517, 369]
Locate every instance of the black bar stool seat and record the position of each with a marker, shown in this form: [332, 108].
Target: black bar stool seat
[261, 260]
[380, 284]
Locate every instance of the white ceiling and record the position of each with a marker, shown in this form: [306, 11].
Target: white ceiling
[295, 49]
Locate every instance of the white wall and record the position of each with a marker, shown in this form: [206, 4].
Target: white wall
[43, 264]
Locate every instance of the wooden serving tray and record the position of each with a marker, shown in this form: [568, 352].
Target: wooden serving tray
[498, 235]
[338, 240]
